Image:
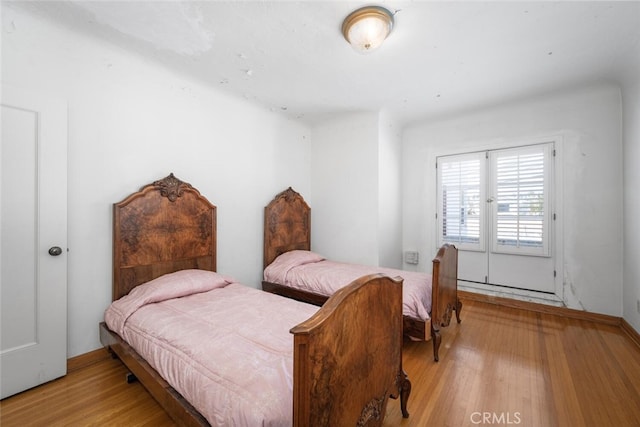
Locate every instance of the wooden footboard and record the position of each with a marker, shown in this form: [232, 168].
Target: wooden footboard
[445, 293]
[348, 360]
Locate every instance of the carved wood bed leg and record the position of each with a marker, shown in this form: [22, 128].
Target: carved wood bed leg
[458, 309]
[404, 387]
[437, 339]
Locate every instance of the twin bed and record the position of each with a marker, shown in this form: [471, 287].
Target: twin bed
[292, 270]
[215, 352]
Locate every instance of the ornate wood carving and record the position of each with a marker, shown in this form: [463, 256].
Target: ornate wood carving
[289, 195]
[372, 411]
[171, 187]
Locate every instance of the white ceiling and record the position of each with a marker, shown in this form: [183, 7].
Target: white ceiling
[441, 58]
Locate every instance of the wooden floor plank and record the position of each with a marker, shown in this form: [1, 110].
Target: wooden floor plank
[518, 365]
[503, 365]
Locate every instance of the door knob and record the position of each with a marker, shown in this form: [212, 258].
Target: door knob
[55, 250]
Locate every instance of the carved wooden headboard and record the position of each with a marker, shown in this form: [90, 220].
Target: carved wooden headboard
[165, 227]
[287, 225]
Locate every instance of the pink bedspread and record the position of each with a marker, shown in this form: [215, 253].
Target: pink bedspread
[224, 346]
[310, 272]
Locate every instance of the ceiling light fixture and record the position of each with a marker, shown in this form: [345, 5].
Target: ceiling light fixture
[366, 28]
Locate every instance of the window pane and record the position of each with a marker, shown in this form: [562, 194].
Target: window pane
[459, 199]
[521, 210]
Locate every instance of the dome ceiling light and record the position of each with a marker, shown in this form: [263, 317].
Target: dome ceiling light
[366, 28]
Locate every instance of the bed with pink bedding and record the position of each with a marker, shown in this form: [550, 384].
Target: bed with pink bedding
[291, 269]
[220, 358]
[212, 351]
[311, 272]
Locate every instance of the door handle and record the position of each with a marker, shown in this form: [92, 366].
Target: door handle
[55, 250]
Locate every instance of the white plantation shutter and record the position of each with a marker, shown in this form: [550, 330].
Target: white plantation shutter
[514, 184]
[461, 200]
[520, 200]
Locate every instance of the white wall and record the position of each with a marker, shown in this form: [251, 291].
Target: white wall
[631, 126]
[344, 182]
[589, 124]
[132, 122]
[389, 193]
[357, 199]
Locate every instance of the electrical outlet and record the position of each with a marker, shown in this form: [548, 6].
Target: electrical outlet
[411, 257]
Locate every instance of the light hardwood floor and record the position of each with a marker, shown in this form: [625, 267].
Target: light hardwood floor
[501, 366]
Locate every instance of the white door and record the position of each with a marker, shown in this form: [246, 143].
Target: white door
[496, 207]
[521, 218]
[33, 236]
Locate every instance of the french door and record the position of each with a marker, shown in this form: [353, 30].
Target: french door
[496, 207]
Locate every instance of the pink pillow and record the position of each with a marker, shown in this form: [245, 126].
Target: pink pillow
[169, 286]
[298, 257]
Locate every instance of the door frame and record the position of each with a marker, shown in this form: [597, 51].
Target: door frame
[557, 244]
